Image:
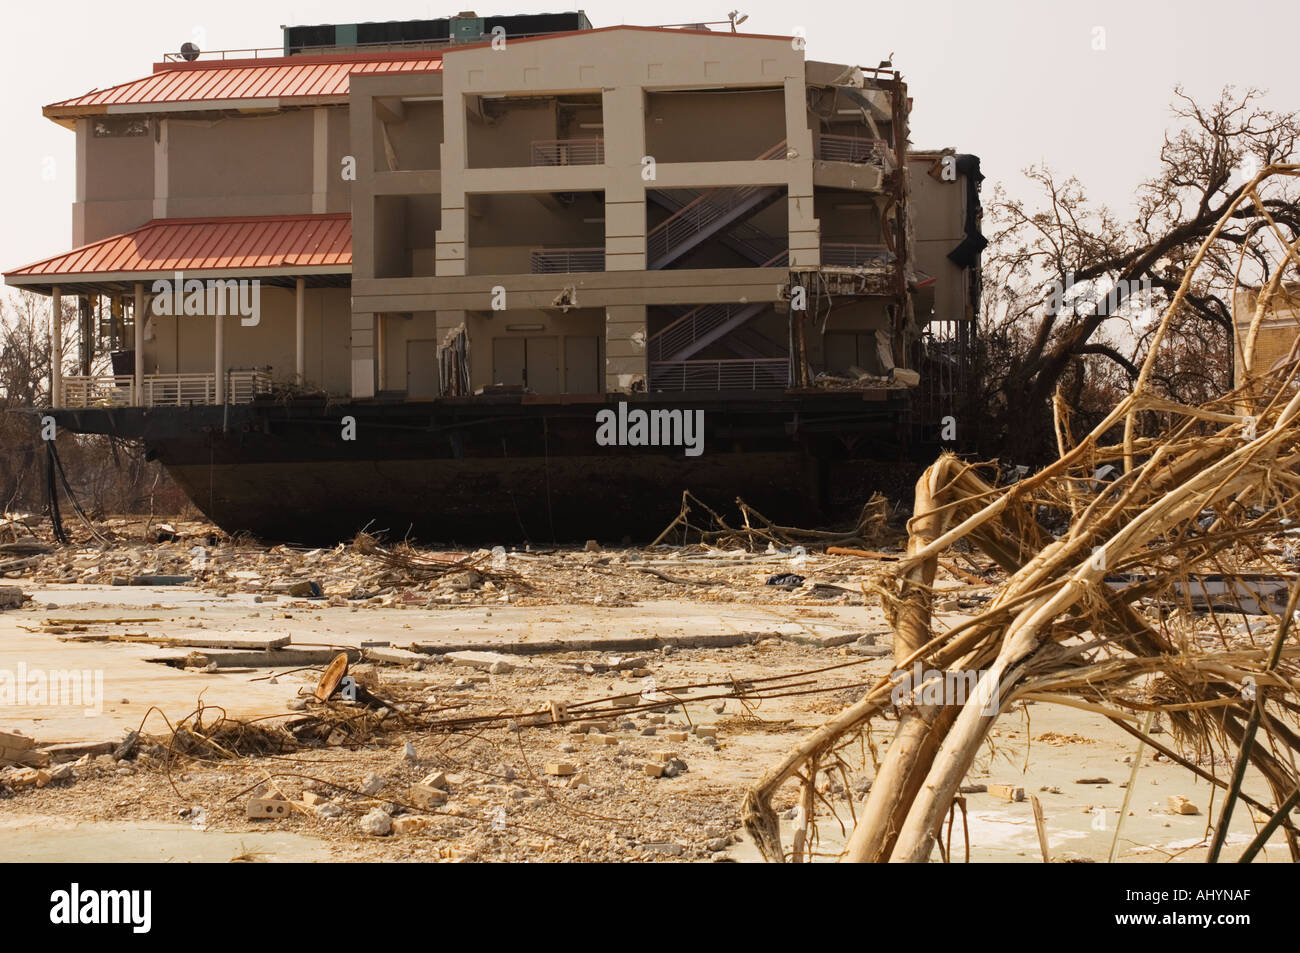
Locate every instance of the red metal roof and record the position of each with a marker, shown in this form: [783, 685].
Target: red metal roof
[294, 77]
[322, 243]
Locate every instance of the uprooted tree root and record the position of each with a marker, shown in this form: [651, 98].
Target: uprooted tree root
[1197, 495]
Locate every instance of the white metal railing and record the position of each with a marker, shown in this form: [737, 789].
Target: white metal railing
[163, 390]
[701, 213]
[698, 322]
[550, 261]
[737, 374]
[101, 390]
[568, 152]
[852, 149]
[849, 254]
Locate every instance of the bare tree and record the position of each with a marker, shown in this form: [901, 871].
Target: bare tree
[1065, 279]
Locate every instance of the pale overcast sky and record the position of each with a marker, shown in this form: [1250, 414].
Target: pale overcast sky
[1012, 81]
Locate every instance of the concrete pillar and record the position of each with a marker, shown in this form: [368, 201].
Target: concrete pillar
[300, 331]
[381, 351]
[137, 388]
[625, 351]
[363, 356]
[450, 252]
[624, 116]
[805, 230]
[219, 362]
[56, 348]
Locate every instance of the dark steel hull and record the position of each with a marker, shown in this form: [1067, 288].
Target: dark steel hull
[493, 470]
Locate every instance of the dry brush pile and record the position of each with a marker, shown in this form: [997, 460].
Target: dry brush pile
[1192, 491]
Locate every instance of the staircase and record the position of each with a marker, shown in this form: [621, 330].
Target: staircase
[700, 327]
[752, 244]
[709, 214]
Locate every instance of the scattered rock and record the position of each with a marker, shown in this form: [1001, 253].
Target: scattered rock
[1181, 805]
[376, 823]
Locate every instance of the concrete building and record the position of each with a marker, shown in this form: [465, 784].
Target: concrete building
[597, 211]
[1275, 339]
[515, 208]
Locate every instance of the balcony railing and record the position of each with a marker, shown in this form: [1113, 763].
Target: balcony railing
[850, 255]
[736, 374]
[568, 152]
[163, 390]
[550, 261]
[852, 149]
[698, 322]
[706, 211]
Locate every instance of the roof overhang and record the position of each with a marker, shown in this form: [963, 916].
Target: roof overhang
[276, 249]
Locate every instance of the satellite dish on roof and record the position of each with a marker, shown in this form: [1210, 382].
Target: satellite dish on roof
[189, 52]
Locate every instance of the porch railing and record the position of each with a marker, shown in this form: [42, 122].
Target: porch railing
[568, 152]
[852, 149]
[163, 390]
[851, 255]
[550, 261]
[732, 374]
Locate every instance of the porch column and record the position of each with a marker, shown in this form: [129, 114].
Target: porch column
[220, 358]
[56, 348]
[300, 332]
[138, 323]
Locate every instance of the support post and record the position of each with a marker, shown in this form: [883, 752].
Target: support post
[220, 358]
[56, 348]
[300, 332]
[137, 322]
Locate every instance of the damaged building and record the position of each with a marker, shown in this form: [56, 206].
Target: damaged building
[390, 275]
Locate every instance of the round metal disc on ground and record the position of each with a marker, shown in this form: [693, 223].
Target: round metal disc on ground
[334, 672]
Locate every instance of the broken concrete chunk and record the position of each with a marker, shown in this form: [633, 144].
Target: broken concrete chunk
[376, 823]
[410, 823]
[560, 769]
[493, 662]
[262, 808]
[11, 597]
[1181, 805]
[1008, 792]
[424, 796]
[437, 780]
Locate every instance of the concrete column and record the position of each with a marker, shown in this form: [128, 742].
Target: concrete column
[137, 389]
[805, 230]
[363, 356]
[625, 353]
[300, 331]
[381, 351]
[623, 109]
[56, 348]
[220, 359]
[451, 239]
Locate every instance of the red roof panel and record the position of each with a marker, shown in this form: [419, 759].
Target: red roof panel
[209, 244]
[294, 77]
